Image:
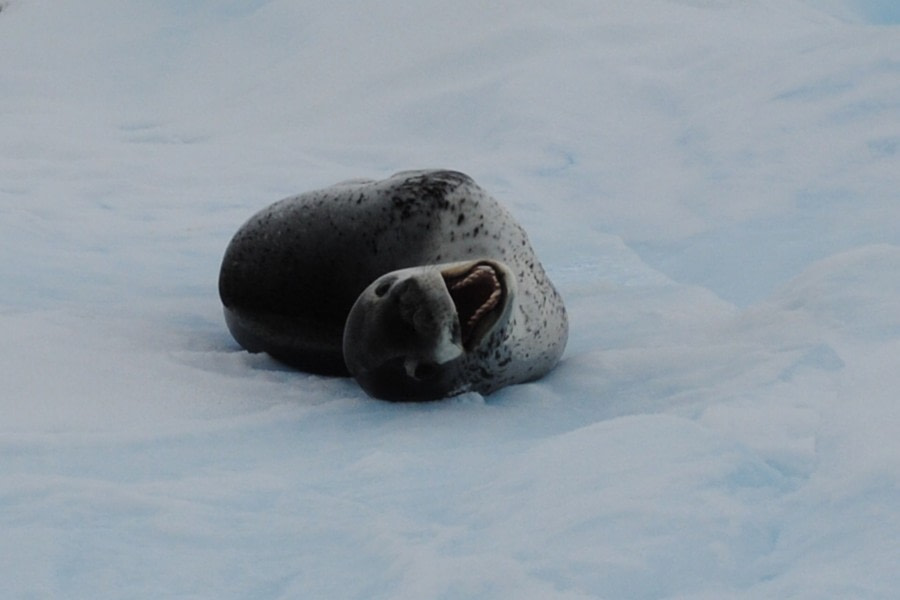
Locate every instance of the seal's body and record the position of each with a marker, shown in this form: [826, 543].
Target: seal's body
[421, 286]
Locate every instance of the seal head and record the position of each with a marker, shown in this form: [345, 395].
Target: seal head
[409, 333]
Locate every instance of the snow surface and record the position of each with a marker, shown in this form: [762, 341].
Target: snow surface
[713, 185]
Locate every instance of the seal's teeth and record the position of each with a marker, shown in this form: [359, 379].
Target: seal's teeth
[476, 273]
[489, 304]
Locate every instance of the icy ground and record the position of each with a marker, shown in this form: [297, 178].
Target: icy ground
[714, 185]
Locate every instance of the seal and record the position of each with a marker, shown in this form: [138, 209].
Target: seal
[420, 286]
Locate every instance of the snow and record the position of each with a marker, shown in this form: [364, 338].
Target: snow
[712, 185]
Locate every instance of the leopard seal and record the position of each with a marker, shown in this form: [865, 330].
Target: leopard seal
[420, 286]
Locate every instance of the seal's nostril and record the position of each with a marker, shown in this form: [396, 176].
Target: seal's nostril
[382, 288]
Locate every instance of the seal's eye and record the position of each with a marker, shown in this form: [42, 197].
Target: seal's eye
[382, 288]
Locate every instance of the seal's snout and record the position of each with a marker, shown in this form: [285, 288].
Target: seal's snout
[419, 306]
[422, 313]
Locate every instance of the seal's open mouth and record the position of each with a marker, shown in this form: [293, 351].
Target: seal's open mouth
[479, 297]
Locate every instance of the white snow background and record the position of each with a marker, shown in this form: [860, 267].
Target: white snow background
[714, 186]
